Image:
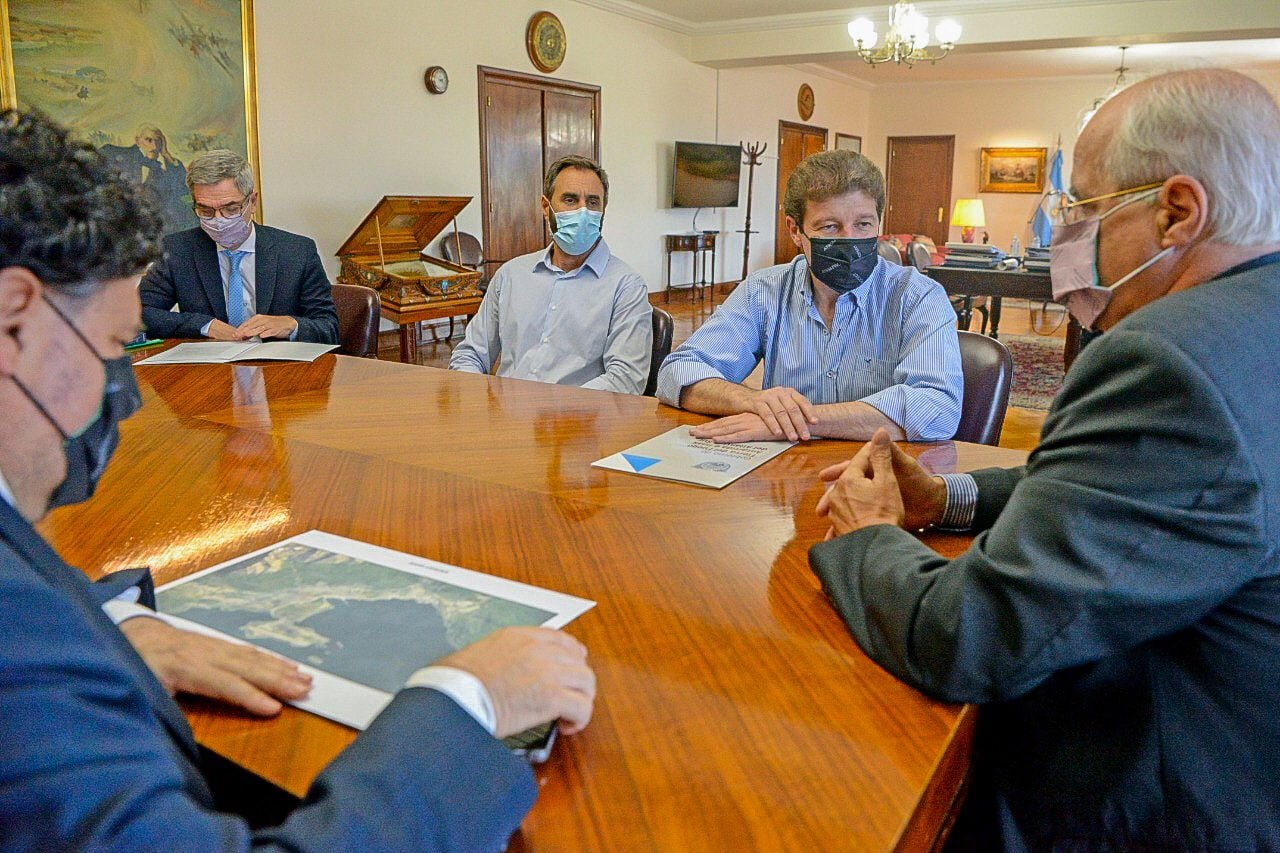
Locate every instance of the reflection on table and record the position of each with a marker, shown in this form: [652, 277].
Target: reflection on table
[734, 710]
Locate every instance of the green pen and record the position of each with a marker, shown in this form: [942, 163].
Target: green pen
[130, 347]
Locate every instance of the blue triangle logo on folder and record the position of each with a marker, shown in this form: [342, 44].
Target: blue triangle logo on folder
[639, 463]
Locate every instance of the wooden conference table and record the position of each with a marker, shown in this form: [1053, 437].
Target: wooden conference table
[734, 710]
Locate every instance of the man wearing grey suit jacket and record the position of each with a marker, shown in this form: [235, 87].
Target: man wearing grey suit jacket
[1118, 613]
[231, 279]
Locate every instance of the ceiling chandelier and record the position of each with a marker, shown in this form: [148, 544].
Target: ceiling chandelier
[1121, 82]
[907, 41]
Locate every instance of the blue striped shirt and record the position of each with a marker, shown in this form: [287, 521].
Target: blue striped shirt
[892, 345]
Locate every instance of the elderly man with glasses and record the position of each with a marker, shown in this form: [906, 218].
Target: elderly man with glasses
[230, 279]
[1118, 613]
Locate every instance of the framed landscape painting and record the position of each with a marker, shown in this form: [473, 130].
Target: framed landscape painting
[152, 83]
[1012, 170]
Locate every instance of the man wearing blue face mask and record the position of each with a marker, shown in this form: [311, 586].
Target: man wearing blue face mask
[572, 314]
[850, 343]
[96, 754]
[233, 280]
[1118, 614]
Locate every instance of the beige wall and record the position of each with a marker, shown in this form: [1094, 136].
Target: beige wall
[752, 101]
[994, 114]
[344, 118]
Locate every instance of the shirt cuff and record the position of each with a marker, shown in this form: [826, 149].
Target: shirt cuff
[463, 688]
[125, 606]
[962, 501]
[204, 330]
[679, 375]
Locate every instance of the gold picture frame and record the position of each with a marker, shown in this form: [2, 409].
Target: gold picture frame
[1012, 170]
[202, 56]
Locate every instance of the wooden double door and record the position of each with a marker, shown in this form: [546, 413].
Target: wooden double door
[527, 122]
[795, 142]
[919, 186]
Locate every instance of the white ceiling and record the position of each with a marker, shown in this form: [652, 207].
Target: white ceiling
[716, 11]
[1140, 59]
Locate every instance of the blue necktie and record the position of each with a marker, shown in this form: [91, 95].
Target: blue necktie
[236, 311]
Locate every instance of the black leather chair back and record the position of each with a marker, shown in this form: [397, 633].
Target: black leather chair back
[889, 252]
[357, 320]
[663, 327]
[461, 248]
[988, 378]
[919, 256]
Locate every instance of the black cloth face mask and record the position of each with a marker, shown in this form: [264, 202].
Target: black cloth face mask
[843, 263]
[89, 451]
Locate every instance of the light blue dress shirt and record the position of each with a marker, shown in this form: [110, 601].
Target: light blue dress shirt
[892, 345]
[248, 271]
[591, 327]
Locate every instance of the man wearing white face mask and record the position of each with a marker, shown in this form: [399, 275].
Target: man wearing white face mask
[230, 279]
[1117, 612]
[572, 314]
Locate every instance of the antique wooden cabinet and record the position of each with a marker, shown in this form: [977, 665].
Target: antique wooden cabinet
[387, 254]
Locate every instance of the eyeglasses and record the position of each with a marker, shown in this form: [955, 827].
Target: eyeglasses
[1073, 211]
[235, 208]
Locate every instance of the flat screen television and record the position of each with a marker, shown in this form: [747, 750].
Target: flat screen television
[706, 175]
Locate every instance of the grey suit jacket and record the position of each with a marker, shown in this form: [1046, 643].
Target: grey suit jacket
[1119, 613]
[290, 280]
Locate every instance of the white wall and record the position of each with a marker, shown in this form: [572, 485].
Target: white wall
[1031, 113]
[344, 118]
[752, 101]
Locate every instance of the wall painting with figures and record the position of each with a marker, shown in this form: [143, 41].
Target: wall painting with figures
[152, 83]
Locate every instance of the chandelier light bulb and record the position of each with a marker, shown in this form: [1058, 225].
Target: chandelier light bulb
[948, 32]
[863, 30]
[915, 27]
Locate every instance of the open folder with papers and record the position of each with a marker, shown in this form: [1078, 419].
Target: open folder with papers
[217, 352]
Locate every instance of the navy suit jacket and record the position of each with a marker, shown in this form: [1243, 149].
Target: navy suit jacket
[289, 280]
[94, 754]
[1119, 612]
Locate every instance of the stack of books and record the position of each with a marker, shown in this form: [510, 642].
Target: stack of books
[1036, 259]
[973, 256]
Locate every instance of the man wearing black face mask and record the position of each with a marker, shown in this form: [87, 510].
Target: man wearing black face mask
[96, 754]
[850, 343]
[1118, 613]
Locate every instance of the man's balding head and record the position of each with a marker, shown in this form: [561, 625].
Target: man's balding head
[1217, 126]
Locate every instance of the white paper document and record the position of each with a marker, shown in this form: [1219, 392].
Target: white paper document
[217, 352]
[359, 618]
[676, 455]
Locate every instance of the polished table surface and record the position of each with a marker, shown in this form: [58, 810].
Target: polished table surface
[734, 709]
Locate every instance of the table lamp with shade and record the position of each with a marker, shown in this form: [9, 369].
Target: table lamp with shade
[968, 214]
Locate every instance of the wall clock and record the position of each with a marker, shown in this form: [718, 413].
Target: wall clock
[804, 102]
[546, 42]
[436, 80]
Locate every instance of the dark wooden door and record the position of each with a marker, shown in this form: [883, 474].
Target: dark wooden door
[526, 124]
[795, 142]
[919, 186]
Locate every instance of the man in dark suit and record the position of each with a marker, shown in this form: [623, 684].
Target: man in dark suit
[94, 754]
[1118, 613]
[233, 280]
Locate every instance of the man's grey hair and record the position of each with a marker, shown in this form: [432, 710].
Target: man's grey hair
[218, 165]
[573, 161]
[1217, 126]
[828, 174]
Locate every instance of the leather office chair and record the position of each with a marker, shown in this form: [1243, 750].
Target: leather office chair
[988, 378]
[889, 252]
[662, 331]
[921, 258]
[463, 248]
[357, 320]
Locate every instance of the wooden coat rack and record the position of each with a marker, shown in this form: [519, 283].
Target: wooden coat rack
[751, 154]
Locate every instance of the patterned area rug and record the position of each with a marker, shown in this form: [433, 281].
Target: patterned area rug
[1037, 369]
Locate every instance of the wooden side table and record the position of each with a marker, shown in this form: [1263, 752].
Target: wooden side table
[701, 244]
[408, 318]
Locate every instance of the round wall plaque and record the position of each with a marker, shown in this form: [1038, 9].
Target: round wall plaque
[546, 42]
[804, 102]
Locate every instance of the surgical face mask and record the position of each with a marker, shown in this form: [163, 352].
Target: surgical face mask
[1073, 265]
[842, 263]
[576, 231]
[227, 231]
[89, 448]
